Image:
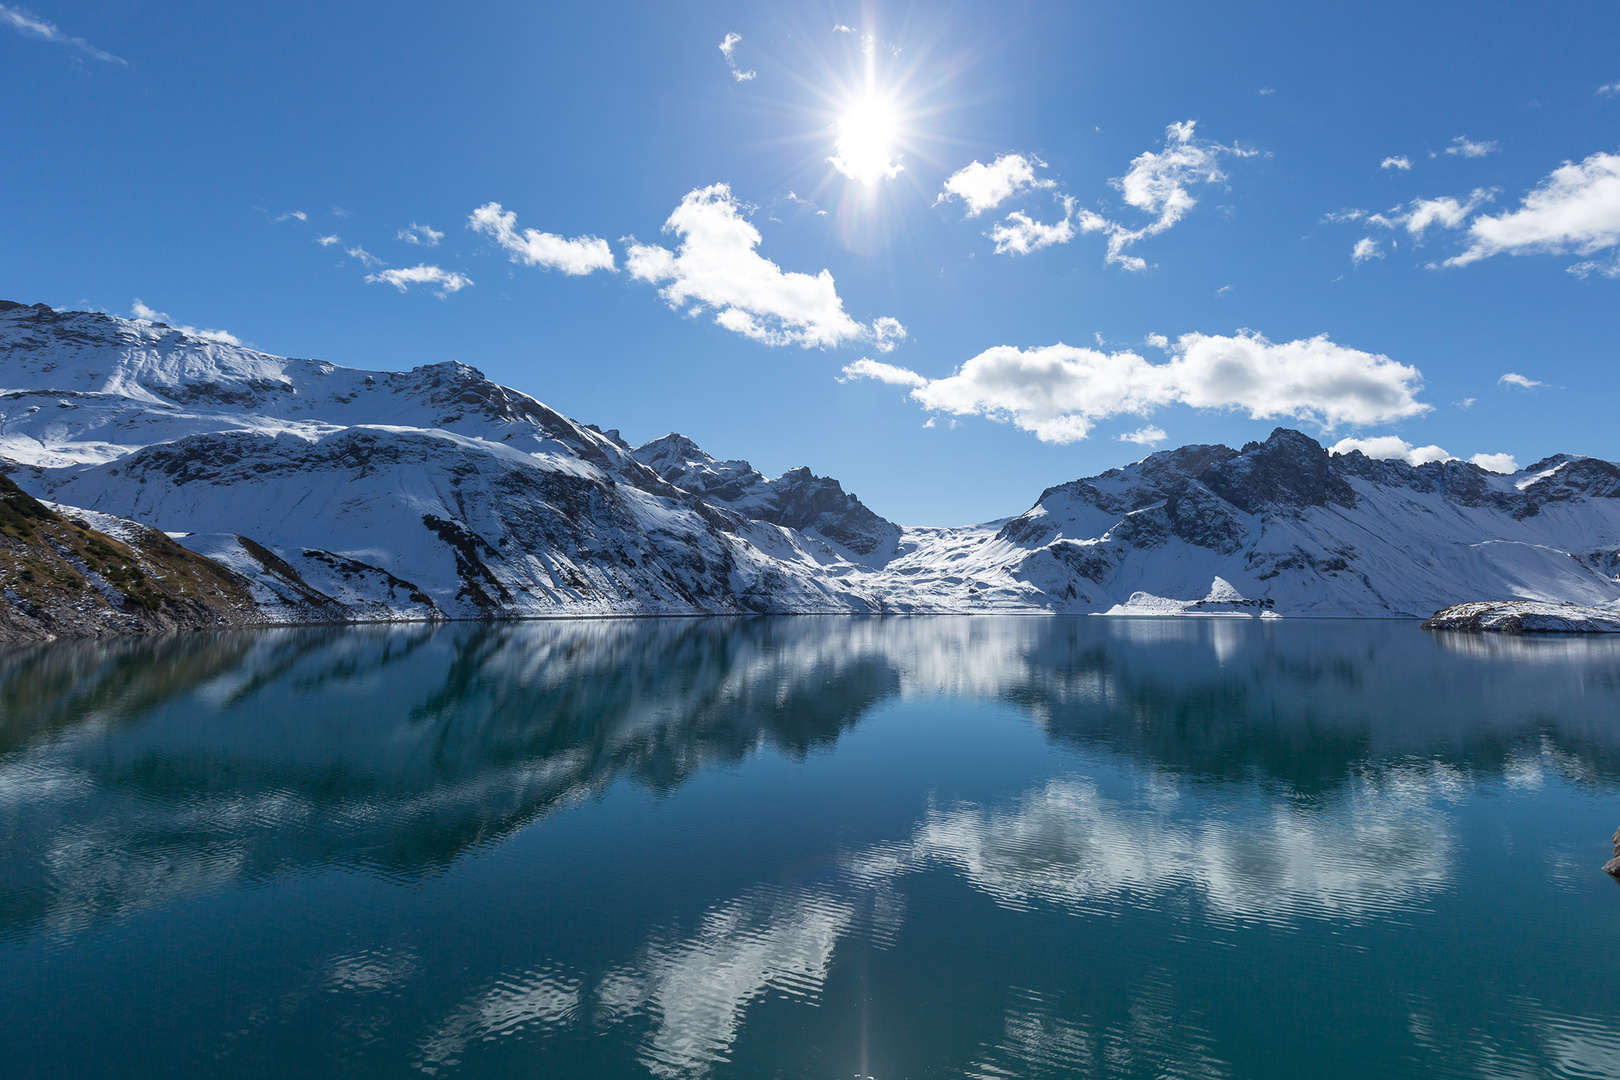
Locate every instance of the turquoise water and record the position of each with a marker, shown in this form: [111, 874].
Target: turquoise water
[811, 847]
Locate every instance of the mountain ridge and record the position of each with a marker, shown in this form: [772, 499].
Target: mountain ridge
[341, 494]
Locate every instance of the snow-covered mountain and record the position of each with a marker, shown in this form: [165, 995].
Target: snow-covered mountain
[345, 494]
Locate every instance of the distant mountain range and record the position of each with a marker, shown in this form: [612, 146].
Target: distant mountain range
[336, 494]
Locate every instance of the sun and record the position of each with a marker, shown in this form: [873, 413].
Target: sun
[864, 151]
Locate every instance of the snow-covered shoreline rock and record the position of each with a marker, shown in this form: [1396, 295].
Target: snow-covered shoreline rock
[340, 494]
[1525, 617]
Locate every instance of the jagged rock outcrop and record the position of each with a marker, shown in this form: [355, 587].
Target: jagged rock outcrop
[798, 499]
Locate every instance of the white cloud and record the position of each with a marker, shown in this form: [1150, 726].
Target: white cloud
[1366, 248]
[1575, 208]
[447, 280]
[328, 241]
[1059, 392]
[984, 187]
[1461, 147]
[1583, 270]
[885, 373]
[1609, 89]
[1514, 381]
[1497, 463]
[30, 26]
[142, 313]
[1151, 435]
[1157, 341]
[581, 255]
[293, 215]
[1417, 216]
[1264, 90]
[1347, 214]
[887, 333]
[729, 47]
[366, 258]
[1391, 448]
[1466, 403]
[1402, 162]
[717, 267]
[424, 235]
[1157, 183]
[1020, 234]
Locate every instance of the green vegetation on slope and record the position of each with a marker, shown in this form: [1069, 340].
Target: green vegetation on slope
[62, 578]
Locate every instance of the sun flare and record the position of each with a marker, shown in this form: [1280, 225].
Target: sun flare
[867, 132]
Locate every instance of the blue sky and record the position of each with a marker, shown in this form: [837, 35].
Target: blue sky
[1352, 219]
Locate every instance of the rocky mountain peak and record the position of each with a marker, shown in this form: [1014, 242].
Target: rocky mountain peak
[798, 499]
[1289, 471]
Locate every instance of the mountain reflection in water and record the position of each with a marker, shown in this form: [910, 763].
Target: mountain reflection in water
[1271, 774]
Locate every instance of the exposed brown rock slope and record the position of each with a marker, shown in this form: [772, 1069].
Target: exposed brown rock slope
[62, 578]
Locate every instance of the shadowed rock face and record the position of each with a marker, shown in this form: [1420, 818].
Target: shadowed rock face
[798, 499]
[1289, 471]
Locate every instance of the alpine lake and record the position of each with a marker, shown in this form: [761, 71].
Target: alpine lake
[816, 847]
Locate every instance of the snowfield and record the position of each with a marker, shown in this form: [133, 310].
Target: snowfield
[434, 493]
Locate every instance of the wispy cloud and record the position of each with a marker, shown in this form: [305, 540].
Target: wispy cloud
[1060, 392]
[869, 42]
[985, 187]
[328, 241]
[717, 267]
[1366, 248]
[1609, 89]
[1152, 435]
[1576, 208]
[1514, 381]
[421, 235]
[581, 255]
[35, 27]
[366, 258]
[887, 333]
[1419, 215]
[1588, 267]
[1158, 183]
[1462, 147]
[293, 215]
[1402, 163]
[141, 312]
[866, 368]
[1020, 234]
[401, 279]
[729, 48]
[799, 200]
